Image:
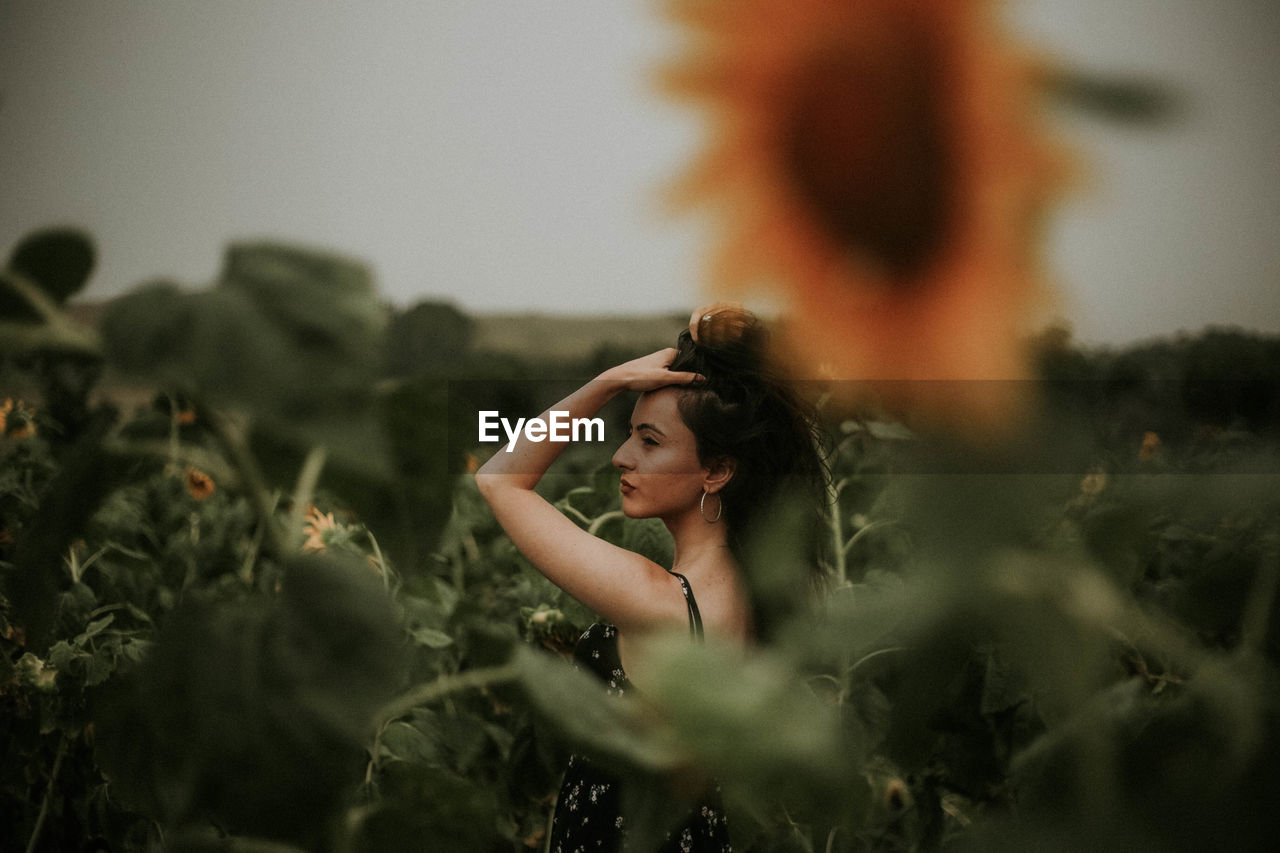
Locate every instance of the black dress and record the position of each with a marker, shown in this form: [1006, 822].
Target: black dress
[588, 816]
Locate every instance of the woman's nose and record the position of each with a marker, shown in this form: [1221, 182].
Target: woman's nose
[622, 457]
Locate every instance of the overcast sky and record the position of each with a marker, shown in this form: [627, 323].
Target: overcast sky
[506, 154]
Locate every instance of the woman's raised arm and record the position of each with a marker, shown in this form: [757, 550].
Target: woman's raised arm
[624, 587]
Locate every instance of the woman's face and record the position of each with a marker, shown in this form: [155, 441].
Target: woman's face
[661, 474]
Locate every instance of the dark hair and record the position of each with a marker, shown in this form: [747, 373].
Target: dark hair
[746, 412]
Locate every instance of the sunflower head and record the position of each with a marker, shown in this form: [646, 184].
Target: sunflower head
[315, 527]
[861, 142]
[878, 165]
[17, 420]
[199, 484]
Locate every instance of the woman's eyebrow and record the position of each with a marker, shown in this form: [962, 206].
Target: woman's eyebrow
[651, 428]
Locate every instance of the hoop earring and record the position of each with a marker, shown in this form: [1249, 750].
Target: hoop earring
[702, 508]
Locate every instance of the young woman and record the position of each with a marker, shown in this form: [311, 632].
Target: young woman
[713, 441]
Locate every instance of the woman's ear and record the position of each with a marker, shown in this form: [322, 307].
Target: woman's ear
[719, 473]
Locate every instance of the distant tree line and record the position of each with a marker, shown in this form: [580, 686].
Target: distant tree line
[1221, 384]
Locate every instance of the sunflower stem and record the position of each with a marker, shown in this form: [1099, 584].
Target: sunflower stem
[304, 491]
[443, 686]
[233, 444]
[837, 533]
[48, 795]
[864, 530]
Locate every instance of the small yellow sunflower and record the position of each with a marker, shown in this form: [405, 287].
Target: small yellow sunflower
[199, 484]
[315, 526]
[16, 420]
[878, 165]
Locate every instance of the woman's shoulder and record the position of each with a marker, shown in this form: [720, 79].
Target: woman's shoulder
[722, 602]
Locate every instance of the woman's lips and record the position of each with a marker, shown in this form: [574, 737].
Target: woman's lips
[627, 488]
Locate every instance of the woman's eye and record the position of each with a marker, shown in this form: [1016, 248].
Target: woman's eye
[651, 442]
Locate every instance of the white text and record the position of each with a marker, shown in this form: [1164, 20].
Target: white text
[558, 427]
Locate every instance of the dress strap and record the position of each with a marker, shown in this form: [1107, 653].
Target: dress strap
[695, 618]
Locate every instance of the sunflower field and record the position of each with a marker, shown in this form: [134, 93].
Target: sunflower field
[274, 614]
[250, 599]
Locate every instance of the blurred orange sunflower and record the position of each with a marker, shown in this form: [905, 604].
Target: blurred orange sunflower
[877, 164]
[199, 484]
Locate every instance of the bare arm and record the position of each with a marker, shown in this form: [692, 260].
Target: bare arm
[622, 586]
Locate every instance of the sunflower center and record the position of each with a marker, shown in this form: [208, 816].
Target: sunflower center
[864, 146]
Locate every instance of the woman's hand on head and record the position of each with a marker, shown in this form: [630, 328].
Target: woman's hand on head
[649, 372]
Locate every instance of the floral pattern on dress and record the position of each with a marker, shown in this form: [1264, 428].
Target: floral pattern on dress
[588, 815]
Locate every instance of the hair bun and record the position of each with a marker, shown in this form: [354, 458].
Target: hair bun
[721, 324]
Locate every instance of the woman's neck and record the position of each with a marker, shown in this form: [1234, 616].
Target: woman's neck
[696, 542]
[703, 555]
